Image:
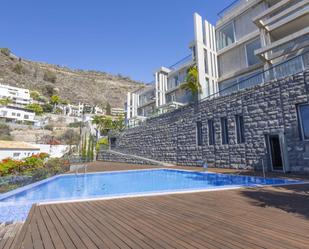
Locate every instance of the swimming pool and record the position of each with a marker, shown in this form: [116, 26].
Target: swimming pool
[15, 205]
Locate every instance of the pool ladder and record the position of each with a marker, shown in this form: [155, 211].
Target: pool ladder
[80, 167]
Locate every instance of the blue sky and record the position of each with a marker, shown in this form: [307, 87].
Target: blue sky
[131, 37]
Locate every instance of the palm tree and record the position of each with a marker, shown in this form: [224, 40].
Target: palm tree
[192, 83]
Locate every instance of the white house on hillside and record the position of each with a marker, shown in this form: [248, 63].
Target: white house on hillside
[17, 150]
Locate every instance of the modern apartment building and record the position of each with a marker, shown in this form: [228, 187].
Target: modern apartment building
[18, 97]
[254, 41]
[165, 92]
[16, 110]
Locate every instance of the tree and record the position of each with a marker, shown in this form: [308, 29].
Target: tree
[103, 123]
[54, 100]
[36, 108]
[35, 95]
[47, 108]
[192, 83]
[119, 124]
[108, 109]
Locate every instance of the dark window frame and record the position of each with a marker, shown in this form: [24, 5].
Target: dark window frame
[240, 129]
[199, 133]
[224, 131]
[302, 134]
[211, 132]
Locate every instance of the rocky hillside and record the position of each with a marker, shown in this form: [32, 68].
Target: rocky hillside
[74, 85]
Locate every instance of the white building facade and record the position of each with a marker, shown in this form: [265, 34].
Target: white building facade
[166, 93]
[19, 97]
[10, 113]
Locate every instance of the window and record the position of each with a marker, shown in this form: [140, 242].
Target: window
[240, 129]
[26, 116]
[303, 116]
[199, 133]
[211, 132]
[13, 113]
[224, 131]
[18, 114]
[15, 155]
[206, 61]
[226, 36]
[252, 59]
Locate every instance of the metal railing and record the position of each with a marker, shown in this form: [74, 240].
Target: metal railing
[230, 7]
[184, 61]
[289, 67]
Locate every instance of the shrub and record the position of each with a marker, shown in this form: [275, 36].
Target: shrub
[50, 76]
[49, 127]
[49, 90]
[35, 95]
[18, 68]
[57, 166]
[47, 108]
[36, 108]
[5, 51]
[102, 142]
[76, 124]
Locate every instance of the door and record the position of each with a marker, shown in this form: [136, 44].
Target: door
[275, 152]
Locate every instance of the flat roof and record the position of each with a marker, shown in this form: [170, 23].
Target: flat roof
[11, 145]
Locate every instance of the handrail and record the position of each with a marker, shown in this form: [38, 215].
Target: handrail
[180, 62]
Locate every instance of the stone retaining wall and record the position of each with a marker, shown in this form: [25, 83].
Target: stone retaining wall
[267, 109]
[110, 156]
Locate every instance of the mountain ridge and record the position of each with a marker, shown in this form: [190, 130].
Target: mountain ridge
[75, 85]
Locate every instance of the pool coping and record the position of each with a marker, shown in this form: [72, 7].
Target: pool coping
[233, 187]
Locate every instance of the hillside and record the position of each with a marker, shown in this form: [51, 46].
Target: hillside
[74, 85]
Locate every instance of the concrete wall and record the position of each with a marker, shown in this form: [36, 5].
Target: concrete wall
[267, 109]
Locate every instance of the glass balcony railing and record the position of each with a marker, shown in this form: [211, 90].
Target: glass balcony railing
[289, 67]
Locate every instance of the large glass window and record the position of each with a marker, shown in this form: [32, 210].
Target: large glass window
[303, 113]
[211, 132]
[224, 131]
[252, 59]
[226, 36]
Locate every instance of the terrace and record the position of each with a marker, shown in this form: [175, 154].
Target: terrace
[269, 217]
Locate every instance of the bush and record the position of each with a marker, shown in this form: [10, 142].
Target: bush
[36, 108]
[5, 51]
[47, 108]
[49, 127]
[76, 124]
[18, 68]
[50, 76]
[49, 90]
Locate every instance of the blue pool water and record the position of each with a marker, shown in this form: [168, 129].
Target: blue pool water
[16, 206]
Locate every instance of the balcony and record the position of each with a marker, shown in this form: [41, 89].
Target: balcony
[289, 67]
[286, 24]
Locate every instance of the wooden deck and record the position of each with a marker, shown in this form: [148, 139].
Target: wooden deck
[271, 217]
